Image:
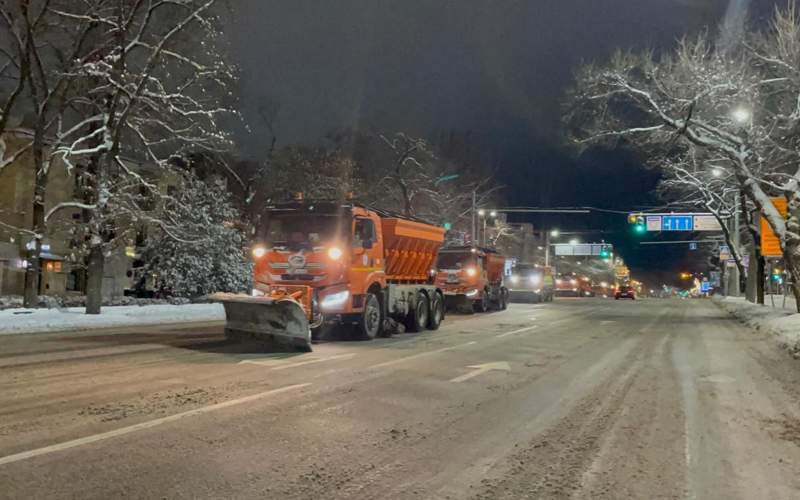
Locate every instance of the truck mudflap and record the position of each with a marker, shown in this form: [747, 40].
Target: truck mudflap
[280, 323]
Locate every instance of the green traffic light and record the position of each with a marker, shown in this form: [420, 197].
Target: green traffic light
[448, 226]
[640, 229]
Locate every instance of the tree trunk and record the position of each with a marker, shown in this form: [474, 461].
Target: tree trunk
[761, 265]
[32, 273]
[94, 284]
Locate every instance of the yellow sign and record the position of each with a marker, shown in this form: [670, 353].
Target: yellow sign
[770, 243]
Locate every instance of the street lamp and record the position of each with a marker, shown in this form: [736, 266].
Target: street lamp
[554, 233]
[716, 172]
[481, 212]
[573, 241]
[493, 213]
[741, 115]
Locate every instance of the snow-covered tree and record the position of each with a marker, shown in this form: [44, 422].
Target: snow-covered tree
[154, 84]
[739, 104]
[213, 259]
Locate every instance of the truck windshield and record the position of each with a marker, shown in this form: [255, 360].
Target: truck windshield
[302, 229]
[450, 260]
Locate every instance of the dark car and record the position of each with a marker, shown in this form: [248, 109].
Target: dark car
[624, 292]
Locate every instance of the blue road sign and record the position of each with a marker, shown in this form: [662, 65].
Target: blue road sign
[677, 223]
[705, 286]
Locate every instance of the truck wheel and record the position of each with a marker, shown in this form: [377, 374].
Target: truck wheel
[436, 312]
[371, 324]
[418, 318]
[481, 305]
[503, 299]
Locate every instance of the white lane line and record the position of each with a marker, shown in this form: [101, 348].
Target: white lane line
[514, 332]
[144, 425]
[311, 361]
[420, 355]
[607, 322]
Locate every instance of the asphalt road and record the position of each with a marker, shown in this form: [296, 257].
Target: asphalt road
[575, 399]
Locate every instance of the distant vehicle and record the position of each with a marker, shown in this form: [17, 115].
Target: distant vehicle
[529, 283]
[568, 286]
[625, 292]
[472, 278]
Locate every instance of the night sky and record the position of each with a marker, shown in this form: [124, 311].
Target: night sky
[497, 68]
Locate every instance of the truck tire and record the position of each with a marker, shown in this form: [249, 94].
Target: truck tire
[481, 305]
[436, 314]
[503, 299]
[417, 319]
[371, 323]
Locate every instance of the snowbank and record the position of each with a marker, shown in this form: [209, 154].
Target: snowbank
[19, 320]
[784, 323]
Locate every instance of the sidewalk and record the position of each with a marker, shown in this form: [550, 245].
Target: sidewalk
[17, 321]
[780, 320]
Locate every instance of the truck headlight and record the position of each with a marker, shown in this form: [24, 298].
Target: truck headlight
[335, 253]
[334, 300]
[472, 292]
[471, 271]
[259, 251]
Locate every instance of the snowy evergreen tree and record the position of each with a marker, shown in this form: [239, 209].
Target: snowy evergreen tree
[213, 259]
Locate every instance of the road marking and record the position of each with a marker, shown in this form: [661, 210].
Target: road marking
[607, 321]
[420, 355]
[141, 426]
[514, 332]
[481, 369]
[303, 363]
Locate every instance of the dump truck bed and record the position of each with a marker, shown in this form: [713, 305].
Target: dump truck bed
[410, 249]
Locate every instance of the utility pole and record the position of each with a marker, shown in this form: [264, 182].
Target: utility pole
[735, 278]
[547, 248]
[474, 214]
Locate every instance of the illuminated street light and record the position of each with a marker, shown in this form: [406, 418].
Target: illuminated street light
[481, 212]
[554, 233]
[741, 115]
[493, 213]
[573, 241]
[716, 172]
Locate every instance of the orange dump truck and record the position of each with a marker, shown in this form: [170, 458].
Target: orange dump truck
[472, 278]
[329, 262]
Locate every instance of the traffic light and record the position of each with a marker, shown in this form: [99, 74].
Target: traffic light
[447, 226]
[638, 222]
[605, 253]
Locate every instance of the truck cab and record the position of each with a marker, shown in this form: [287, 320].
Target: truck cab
[472, 278]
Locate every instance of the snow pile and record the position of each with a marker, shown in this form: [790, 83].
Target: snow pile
[784, 323]
[73, 318]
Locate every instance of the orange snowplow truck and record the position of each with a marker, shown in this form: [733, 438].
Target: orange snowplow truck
[472, 278]
[344, 263]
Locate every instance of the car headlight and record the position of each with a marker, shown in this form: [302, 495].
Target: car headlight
[334, 300]
[471, 271]
[259, 251]
[472, 292]
[335, 253]
[515, 279]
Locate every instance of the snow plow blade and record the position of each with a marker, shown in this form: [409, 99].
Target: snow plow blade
[280, 323]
